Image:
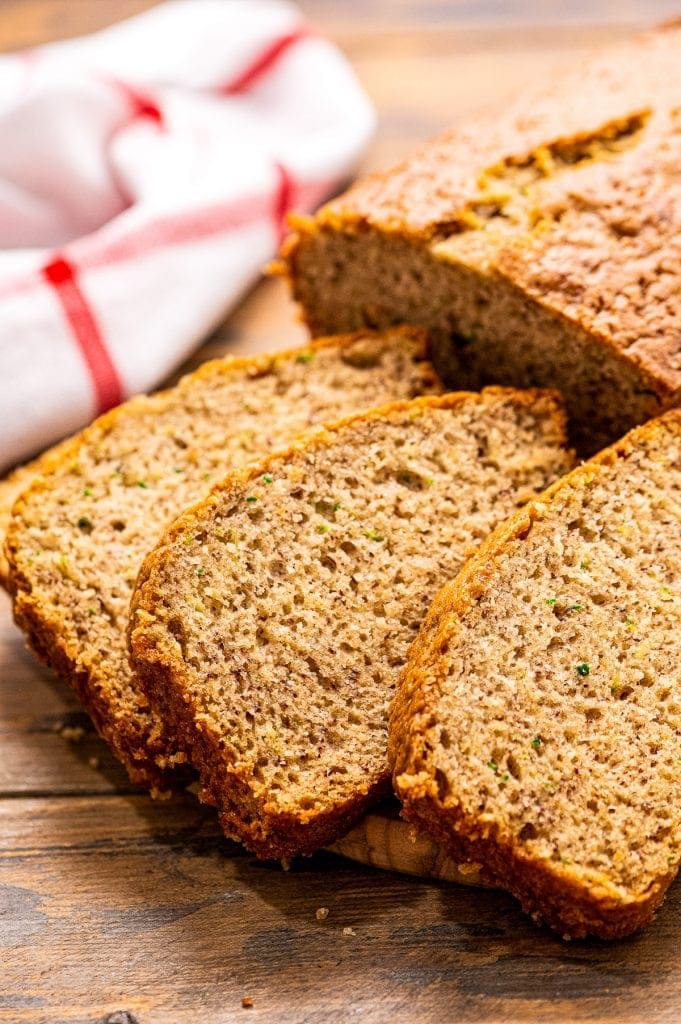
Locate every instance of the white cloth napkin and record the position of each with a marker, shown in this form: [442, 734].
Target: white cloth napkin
[145, 173]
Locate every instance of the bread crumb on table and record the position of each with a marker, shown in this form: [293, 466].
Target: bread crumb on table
[322, 913]
[247, 1002]
[349, 931]
[72, 733]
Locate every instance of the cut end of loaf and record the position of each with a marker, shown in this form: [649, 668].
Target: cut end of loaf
[273, 619]
[536, 727]
[485, 327]
[539, 248]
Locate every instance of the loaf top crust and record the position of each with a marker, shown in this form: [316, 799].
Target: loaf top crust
[80, 531]
[573, 194]
[536, 727]
[602, 102]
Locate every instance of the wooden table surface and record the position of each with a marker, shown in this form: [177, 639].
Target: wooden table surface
[116, 908]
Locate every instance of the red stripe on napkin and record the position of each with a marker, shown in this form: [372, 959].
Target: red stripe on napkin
[140, 103]
[264, 61]
[175, 229]
[105, 380]
[144, 107]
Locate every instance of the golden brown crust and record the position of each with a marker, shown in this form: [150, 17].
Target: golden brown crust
[139, 740]
[263, 827]
[552, 893]
[604, 91]
[138, 749]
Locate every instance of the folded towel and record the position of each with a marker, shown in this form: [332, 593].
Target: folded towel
[145, 174]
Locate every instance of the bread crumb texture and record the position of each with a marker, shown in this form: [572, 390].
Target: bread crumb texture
[273, 619]
[11, 487]
[79, 533]
[537, 727]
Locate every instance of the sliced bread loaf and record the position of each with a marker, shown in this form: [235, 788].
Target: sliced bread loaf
[537, 728]
[79, 533]
[540, 246]
[273, 619]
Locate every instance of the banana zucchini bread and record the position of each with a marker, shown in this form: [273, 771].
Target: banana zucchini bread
[540, 247]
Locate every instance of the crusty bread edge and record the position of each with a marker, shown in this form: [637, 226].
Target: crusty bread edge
[556, 894]
[140, 754]
[264, 829]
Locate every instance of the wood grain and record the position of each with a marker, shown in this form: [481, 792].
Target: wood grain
[116, 908]
[117, 903]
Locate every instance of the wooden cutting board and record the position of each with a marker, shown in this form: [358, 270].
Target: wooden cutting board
[383, 840]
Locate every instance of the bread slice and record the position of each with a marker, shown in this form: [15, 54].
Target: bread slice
[539, 246]
[537, 728]
[79, 533]
[271, 622]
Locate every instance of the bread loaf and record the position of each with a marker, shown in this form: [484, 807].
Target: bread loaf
[540, 247]
[79, 533]
[272, 620]
[537, 729]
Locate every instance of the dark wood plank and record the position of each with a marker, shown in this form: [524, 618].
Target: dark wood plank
[122, 904]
